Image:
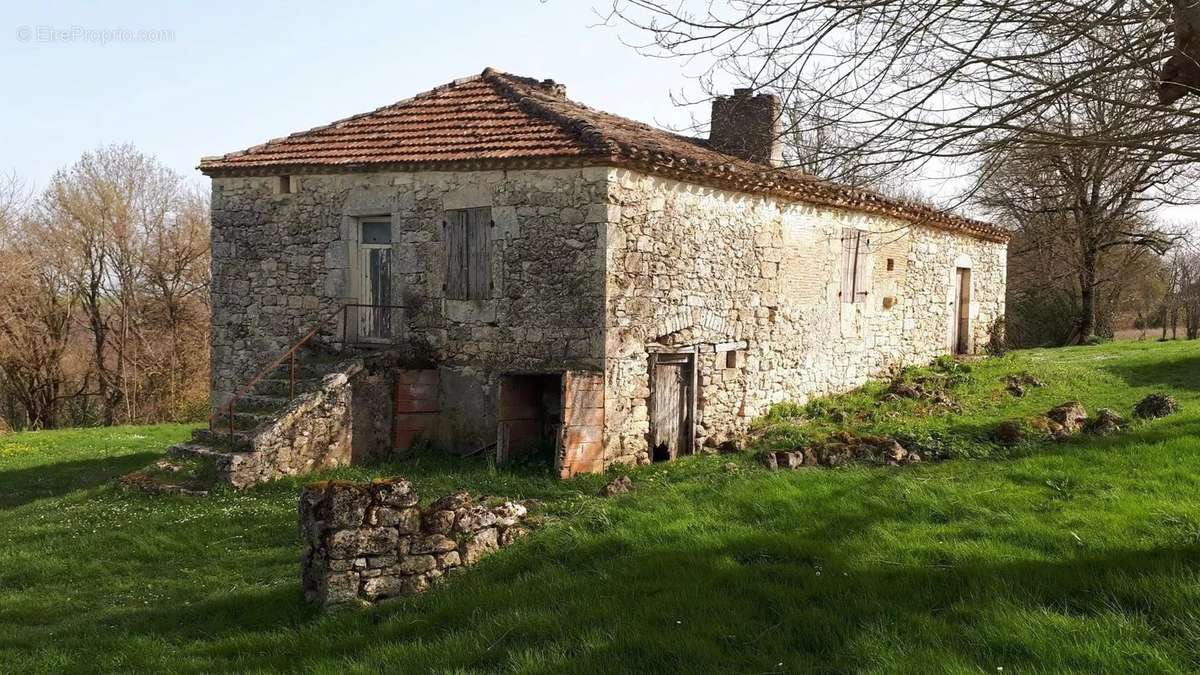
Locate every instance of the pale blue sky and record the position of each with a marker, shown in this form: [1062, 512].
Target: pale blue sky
[235, 74]
[229, 75]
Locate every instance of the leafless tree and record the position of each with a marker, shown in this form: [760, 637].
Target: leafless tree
[1083, 212]
[35, 313]
[174, 265]
[126, 235]
[908, 82]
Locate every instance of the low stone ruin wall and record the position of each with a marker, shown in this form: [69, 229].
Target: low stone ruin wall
[370, 541]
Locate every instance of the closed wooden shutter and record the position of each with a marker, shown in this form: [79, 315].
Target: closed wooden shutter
[862, 267]
[849, 257]
[856, 267]
[479, 252]
[457, 284]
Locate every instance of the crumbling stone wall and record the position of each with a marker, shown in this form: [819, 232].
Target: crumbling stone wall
[283, 261]
[344, 420]
[689, 265]
[370, 541]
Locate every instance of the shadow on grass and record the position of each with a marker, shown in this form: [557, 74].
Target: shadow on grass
[21, 486]
[1182, 373]
[747, 602]
[767, 586]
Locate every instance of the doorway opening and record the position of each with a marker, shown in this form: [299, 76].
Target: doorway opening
[373, 315]
[672, 405]
[530, 418]
[962, 310]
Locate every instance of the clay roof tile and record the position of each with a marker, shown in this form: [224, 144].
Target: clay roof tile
[498, 117]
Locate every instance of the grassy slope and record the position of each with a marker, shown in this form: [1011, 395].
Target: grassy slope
[1081, 556]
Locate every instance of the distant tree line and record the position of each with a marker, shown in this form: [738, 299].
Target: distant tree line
[104, 295]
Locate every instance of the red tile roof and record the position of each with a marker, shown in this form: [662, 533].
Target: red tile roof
[497, 119]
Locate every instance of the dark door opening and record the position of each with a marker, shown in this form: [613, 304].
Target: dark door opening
[672, 387]
[530, 418]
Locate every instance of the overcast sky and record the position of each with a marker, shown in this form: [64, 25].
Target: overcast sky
[183, 80]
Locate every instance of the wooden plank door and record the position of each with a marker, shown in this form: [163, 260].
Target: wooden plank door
[374, 319]
[962, 311]
[671, 422]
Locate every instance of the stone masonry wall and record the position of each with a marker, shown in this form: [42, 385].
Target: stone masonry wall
[282, 261]
[689, 265]
[365, 542]
[590, 266]
[344, 421]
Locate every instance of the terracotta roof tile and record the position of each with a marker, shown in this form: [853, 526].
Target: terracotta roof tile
[496, 118]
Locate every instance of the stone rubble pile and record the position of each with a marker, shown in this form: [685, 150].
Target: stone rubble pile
[922, 389]
[1018, 383]
[1066, 420]
[1155, 405]
[617, 486]
[370, 541]
[1062, 422]
[1107, 421]
[842, 448]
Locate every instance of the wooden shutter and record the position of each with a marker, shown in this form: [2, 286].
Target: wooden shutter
[457, 286]
[849, 257]
[479, 253]
[862, 267]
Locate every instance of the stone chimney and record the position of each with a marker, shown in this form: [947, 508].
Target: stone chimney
[747, 126]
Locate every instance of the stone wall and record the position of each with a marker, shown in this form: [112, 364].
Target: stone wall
[692, 266]
[366, 542]
[282, 261]
[590, 266]
[344, 421]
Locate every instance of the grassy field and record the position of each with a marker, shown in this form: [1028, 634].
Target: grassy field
[1082, 556]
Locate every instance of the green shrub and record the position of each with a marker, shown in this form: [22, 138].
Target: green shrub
[956, 372]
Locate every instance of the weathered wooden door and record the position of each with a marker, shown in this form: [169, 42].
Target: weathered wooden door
[374, 315]
[672, 405]
[962, 310]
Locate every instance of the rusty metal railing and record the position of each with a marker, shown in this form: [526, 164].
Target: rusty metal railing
[289, 355]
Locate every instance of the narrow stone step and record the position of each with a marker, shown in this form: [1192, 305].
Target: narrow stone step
[198, 451]
[261, 403]
[279, 386]
[242, 421]
[239, 469]
[305, 370]
[241, 441]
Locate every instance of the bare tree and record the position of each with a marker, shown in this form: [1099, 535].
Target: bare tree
[35, 313]
[14, 201]
[1082, 212]
[175, 266]
[912, 82]
[97, 215]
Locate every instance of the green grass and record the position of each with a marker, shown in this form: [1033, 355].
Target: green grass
[1080, 556]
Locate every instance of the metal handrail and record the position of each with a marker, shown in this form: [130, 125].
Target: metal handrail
[290, 356]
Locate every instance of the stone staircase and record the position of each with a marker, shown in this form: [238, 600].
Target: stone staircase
[274, 434]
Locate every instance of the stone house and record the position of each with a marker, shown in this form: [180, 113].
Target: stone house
[536, 275]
